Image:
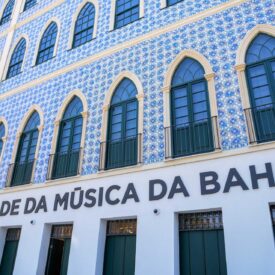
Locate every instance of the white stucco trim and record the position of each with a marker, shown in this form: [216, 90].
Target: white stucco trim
[24, 3]
[75, 16]
[33, 108]
[23, 36]
[163, 4]
[5, 123]
[113, 13]
[38, 41]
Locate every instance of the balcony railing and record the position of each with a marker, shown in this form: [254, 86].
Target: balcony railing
[261, 123]
[120, 153]
[64, 164]
[20, 173]
[192, 138]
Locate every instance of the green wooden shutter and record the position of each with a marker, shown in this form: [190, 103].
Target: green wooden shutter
[202, 250]
[120, 250]
[10, 251]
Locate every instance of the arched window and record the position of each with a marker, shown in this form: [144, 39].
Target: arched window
[25, 158]
[84, 26]
[29, 4]
[191, 120]
[260, 72]
[17, 59]
[67, 158]
[2, 135]
[127, 11]
[6, 16]
[122, 135]
[47, 44]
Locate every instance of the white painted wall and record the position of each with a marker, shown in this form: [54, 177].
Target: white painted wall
[249, 239]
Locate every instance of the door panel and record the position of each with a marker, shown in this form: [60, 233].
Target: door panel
[8, 258]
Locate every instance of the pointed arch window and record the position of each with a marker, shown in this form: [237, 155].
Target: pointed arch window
[84, 26]
[17, 58]
[122, 138]
[29, 4]
[260, 73]
[191, 128]
[22, 169]
[6, 16]
[127, 11]
[66, 161]
[2, 135]
[47, 44]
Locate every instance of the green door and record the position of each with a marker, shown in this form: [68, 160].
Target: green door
[120, 250]
[202, 250]
[59, 250]
[190, 110]
[122, 143]
[9, 253]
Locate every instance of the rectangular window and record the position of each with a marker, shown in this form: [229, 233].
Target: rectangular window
[10, 251]
[127, 11]
[201, 243]
[59, 250]
[272, 210]
[120, 248]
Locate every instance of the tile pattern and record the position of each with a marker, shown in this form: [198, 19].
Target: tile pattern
[216, 37]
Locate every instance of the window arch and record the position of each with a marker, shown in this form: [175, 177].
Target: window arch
[66, 159]
[191, 125]
[84, 25]
[260, 74]
[47, 44]
[2, 136]
[29, 4]
[122, 134]
[17, 58]
[6, 16]
[22, 169]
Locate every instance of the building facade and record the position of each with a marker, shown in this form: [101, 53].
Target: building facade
[137, 137]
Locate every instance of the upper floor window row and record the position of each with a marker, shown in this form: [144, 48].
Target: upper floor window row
[2, 135]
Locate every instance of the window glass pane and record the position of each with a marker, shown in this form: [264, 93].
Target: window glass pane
[261, 48]
[75, 108]
[29, 4]
[84, 25]
[127, 11]
[7, 12]
[172, 2]
[47, 44]
[17, 59]
[188, 70]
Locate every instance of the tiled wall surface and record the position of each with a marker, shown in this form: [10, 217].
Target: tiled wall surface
[217, 37]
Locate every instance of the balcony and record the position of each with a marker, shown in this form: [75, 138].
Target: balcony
[20, 173]
[261, 123]
[120, 153]
[192, 138]
[64, 164]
